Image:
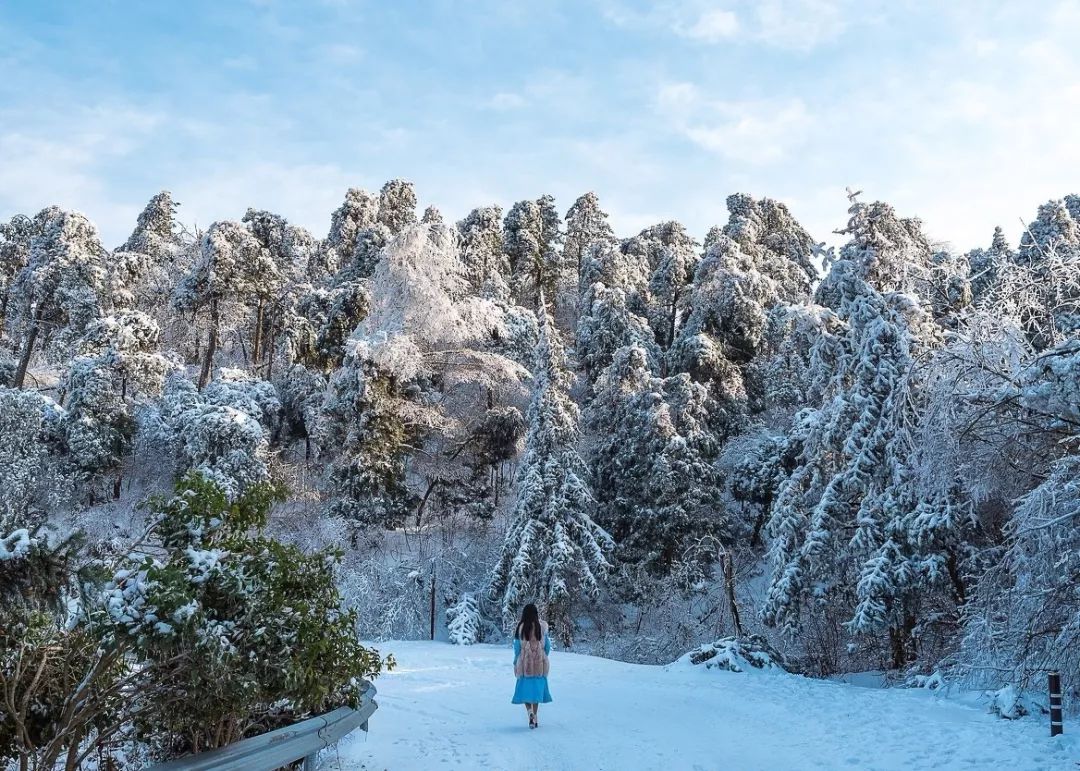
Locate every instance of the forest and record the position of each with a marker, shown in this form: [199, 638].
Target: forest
[234, 459]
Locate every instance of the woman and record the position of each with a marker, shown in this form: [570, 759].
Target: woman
[531, 649]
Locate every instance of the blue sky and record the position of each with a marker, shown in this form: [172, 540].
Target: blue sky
[964, 113]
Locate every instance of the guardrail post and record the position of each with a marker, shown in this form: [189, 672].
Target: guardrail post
[310, 761]
[1056, 725]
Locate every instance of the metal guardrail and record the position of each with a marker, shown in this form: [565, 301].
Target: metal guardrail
[275, 749]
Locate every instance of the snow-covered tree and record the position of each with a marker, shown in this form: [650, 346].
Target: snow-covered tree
[606, 325]
[222, 432]
[59, 289]
[586, 224]
[153, 258]
[650, 437]
[419, 351]
[486, 266]
[15, 237]
[463, 621]
[359, 211]
[431, 216]
[397, 205]
[233, 272]
[554, 552]
[851, 528]
[531, 240]
[670, 256]
[986, 264]
[119, 367]
[30, 427]
[289, 247]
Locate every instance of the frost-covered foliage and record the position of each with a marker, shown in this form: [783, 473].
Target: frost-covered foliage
[531, 239]
[203, 617]
[586, 226]
[487, 268]
[878, 464]
[671, 256]
[463, 621]
[554, 552]
[222, 433]
[852, 530]
[734, 655]
[58, 291]
[119, 370]
[650, 437]
[30, 427]
[607, 324]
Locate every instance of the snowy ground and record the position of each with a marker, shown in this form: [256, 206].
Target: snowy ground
[448, 707]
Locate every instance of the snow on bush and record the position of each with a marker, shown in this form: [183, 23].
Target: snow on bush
[1008, 703]
[463, 621]
[16, 545]
[733, 655]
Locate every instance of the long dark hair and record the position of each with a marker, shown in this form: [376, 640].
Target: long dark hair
[529, 626]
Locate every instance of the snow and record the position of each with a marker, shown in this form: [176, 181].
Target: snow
[446, 706]
[15, 545]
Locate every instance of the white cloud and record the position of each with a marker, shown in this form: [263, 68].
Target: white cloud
[711, 26]
[799, 24]
[747, 132]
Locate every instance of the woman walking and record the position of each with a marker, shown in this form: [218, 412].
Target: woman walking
[531, 649]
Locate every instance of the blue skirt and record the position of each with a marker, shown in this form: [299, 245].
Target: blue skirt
[531, 690]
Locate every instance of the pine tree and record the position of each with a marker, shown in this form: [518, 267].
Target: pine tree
[651, 436]
[221, 433]
[531, 239]
[586, 224]
[119, 368]
[986, 264]
[606, 325]
[486, 266]
[15, 239]
[30, 426]
[289, 248]
[670, 255]
[397, 205]
[554, 552]
[59, 290]
[848, 530]
[233, 272]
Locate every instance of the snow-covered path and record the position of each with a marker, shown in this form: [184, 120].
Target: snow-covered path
[447, 707]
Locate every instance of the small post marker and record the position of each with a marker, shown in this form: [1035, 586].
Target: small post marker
[1056, 726]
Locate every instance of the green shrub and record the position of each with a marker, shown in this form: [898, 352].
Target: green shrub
[239, 633]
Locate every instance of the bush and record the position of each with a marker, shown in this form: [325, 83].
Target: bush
[733, 655]
[60, 682]
[238, 633]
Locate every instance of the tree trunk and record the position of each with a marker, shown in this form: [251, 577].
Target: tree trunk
[211, 346]
[729, 586]
[31, 338]
[256, 344]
